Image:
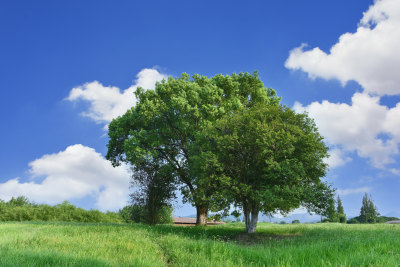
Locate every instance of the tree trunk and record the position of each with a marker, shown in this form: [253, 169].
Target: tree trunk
[253, 222]
[201, 215]
[250, 218]
[246, 212]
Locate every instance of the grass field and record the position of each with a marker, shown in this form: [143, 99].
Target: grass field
[85, 244]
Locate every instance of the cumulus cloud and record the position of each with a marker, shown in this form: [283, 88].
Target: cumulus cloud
[352, 191]
[369, 56]
[108, 102]
[365, 126]
[74, 173]
[337, 158]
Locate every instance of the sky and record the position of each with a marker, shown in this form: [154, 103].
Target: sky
[67, 68]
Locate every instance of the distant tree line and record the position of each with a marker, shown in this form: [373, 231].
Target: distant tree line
[368, 212]
[21, 209]
[335, 213]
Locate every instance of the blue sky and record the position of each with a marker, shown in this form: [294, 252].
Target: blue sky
[68, 67]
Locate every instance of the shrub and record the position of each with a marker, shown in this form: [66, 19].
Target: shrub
[21, 209]
[138, 214]
[353, 221]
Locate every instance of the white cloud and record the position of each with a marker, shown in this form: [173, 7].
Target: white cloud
[351, 191]
[74, 173]
[369, 56]
[358, 127]
[108, 102]
[395, 171]
[337, 158]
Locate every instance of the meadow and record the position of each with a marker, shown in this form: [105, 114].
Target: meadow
[112, 244]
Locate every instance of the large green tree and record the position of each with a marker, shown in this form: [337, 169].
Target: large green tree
[170, 122]
[273, 158]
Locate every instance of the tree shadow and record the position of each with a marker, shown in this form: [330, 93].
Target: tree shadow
[234, 233]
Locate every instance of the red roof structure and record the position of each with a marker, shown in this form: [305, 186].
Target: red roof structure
[191, 221]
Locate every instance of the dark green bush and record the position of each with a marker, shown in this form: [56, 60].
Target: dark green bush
[21, 209]
[353, 221]
[138, 214]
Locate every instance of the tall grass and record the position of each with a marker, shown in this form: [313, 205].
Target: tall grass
[79, 244]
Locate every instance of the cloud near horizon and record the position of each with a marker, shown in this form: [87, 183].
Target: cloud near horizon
[366, 127]
[77, 172]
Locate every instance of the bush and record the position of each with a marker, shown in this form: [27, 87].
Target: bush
[353, 221]
[21, 209]
[342, 218]
[139, 214]
[295, 221]
[383, 219]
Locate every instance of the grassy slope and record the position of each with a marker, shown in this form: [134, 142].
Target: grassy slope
[73, 244]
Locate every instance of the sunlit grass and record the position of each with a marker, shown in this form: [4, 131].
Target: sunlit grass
[79, 244]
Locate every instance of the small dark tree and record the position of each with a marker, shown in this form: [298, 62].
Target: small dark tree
[331, 214]
[131, 213]
[340, 211]
[154, 187]
[368, 212]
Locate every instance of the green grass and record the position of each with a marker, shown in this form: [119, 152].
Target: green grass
[86, 244]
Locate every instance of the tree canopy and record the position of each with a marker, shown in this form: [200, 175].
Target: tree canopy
[168, 123]
[273, 159]
[226, 140]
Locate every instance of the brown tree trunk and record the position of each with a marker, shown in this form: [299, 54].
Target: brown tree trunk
[201, 215]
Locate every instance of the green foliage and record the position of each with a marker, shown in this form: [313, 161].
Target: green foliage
[154, 189]
[383, 219]
[131, 213]
[21, 209]
[335, 214]
[169, 123]
[295, 221]
[340, 211]
[331, 213]
[353, 221]
[137, 214]
[379, 219]
[226, 140]
[273, 159]
[368, 212]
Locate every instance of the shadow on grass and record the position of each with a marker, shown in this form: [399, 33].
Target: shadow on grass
[234, 233]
